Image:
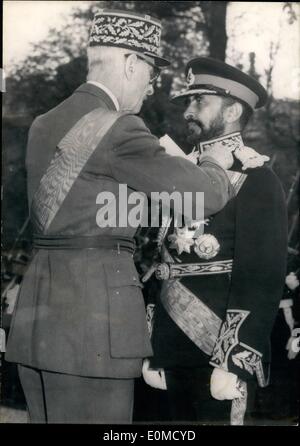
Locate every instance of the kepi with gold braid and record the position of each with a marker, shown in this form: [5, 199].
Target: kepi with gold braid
[140, 33]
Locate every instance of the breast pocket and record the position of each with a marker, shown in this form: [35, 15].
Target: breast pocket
[128, 331]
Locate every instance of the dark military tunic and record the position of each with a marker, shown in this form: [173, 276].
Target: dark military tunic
[81, 311]
[251, 230]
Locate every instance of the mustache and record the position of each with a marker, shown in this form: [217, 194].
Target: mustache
[192, 121]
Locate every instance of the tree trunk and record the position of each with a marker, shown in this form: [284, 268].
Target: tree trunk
[216, 29]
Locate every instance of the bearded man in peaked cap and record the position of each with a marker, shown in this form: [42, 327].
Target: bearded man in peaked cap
[223, 278]
[79, 332]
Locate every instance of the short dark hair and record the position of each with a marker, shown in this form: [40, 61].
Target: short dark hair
[247, 110]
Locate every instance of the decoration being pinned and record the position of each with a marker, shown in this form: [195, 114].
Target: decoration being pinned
[229, 142]
[233, 142]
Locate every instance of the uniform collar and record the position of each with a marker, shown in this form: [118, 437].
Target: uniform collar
[91, 89]
[232, 141]
[108, 92]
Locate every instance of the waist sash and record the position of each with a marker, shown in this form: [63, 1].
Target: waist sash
[191, 315]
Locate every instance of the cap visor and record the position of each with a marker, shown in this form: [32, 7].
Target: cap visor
[159, 61]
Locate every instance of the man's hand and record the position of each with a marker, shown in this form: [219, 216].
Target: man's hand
[222, 156]
[154, 378]
[223, 385]
[250, 158]
[292, 345]
[193, 156]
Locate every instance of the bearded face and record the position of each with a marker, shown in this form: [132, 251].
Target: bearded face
[204, 116]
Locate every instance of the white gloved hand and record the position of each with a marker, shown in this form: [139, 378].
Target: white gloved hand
[292, 281]
[292, 347]
[223, 385]
[250, 158]
[154, 378]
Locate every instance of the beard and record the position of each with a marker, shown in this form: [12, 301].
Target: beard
[199, 133]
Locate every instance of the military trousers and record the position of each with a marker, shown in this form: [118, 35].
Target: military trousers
[60, 398]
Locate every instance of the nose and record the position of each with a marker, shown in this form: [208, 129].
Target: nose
[150, 90]
[190, 111]
[188, 114]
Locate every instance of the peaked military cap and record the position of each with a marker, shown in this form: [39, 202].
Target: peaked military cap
[206, 75]
[137, 32]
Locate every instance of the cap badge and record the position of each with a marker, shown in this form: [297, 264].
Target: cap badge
[190, 79]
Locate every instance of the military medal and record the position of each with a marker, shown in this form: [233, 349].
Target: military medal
[206, 246]
[182, 240]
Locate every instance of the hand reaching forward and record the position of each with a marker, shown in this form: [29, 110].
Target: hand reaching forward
[222, 156]
[250, 158]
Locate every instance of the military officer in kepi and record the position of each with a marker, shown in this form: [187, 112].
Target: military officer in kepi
[223, 277]
[79, 331]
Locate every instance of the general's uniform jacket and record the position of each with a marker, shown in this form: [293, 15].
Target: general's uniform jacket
[81, 311]
[228, 315]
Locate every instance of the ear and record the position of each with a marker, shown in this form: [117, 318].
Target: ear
[233, 112]
[130, 66]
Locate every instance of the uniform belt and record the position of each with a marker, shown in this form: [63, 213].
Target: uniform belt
[83, 242]
[164, 271]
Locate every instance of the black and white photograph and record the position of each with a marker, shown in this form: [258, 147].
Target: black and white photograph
[150, 215]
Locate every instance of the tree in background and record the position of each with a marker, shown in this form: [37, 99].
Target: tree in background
[274, 130]
[57, 64]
